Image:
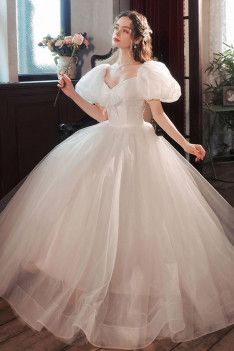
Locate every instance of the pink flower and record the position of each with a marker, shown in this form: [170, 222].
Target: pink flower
[59, 43]
[86, 42]
[68, 40]
[77, 39]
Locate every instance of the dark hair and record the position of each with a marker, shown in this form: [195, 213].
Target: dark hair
[141, 31]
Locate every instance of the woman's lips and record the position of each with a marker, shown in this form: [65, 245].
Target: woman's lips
[116, 39]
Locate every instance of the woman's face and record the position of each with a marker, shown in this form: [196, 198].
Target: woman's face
[122, 31]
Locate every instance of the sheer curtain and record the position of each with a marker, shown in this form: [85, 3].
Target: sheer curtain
[216, 32]
[217, 26]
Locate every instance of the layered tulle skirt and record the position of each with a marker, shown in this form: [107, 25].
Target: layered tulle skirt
[116, 239]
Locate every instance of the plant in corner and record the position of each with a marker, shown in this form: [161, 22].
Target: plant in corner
[222, 69]
[222, 66]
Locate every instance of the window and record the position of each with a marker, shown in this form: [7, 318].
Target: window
[36, 19]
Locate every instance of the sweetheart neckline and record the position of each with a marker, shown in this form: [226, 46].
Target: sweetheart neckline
[122, 81]
[116, 85]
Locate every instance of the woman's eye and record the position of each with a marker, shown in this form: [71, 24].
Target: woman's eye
[116, 28]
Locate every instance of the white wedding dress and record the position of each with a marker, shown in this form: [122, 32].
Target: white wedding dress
[114, 236]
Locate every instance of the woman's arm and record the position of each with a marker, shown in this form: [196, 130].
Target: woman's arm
[166, 124]
[95, 111]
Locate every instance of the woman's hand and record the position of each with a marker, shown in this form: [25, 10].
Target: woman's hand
[195, 149]
[66, 85]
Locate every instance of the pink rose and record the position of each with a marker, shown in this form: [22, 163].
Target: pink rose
[86, 42]
[78, 39]
[68, 40]
[59, 43]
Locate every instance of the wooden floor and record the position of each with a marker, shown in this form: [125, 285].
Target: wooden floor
[18, 336]
[225, 180]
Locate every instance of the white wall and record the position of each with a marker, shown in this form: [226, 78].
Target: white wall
[8, 42]
[4, 72]
[96, 18]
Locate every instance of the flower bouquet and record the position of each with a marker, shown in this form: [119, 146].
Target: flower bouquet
[66, 50]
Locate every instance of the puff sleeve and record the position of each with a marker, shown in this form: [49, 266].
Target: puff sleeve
[156, 82]
[89, 85]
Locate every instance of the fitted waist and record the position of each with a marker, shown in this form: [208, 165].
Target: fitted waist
[130, 125]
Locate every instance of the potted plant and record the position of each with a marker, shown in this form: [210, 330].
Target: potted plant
[66, 50]
[222, 66]
[222, 69]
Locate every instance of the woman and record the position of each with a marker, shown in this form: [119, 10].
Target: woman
[114, 236]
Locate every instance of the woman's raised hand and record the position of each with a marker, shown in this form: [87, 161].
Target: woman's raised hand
[195, 149]
[66, 85]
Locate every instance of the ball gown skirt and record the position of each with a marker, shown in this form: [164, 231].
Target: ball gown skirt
[114, 238]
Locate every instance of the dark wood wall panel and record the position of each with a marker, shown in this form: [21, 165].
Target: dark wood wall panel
[34, 133]
[29, 127]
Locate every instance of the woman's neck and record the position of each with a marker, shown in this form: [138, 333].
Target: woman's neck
[125, 57]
